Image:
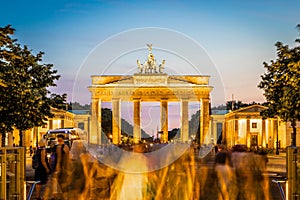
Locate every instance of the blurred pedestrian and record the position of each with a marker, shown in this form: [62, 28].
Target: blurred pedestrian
[252, 180]
[131, 182]
[43, 170]
[30, 150]
[225, 174]
[63, 165]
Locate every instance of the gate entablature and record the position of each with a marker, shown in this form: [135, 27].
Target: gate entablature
[128, 89]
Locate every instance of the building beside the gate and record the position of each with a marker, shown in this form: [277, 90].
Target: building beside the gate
[217, 122]
[246, 126]
[61, 119]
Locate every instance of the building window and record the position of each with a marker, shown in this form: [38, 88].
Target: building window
[81, 125]
[254, 124]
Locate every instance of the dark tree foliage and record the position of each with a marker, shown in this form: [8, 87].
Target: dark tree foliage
[59, 101]
[281, 85]
[174, 134]
[25, 100]
[78, 106]
[194, 126]
[235, 105]
[126, 127]
[5, 41]
[219, 107]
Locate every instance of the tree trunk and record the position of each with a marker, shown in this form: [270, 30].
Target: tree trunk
[3, 139]
[293, 136]
[21, 138]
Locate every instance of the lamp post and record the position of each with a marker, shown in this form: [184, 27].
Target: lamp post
[277, 142]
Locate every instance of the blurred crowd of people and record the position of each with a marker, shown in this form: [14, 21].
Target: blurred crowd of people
[233, 175]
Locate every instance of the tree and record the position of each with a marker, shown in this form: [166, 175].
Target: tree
[219, 107]
[25, 99]
[78, 106]
[194, 126]
[126, 127]
[281, 85]
[5, 123]
[238, 104]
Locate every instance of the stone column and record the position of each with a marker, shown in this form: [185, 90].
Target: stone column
[136, 120]
[93, 135]
[224, 132]
[50, 124]
[116, 121]
[62, 122]
[270, 133]
[263, 133]
[275, 130]
[99, 115]
[184, 120]
[236, 130]
[164, 119]
[248, 135]
[204, 119]
[214, 124]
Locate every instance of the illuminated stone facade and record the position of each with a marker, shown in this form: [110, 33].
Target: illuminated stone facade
[148, 85]
[61, 119]
[246, 126]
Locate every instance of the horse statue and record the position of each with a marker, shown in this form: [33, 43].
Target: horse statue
[140, 66]
[150, 65]
[161, 66]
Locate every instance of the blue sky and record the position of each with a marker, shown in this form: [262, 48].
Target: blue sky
[238, 36]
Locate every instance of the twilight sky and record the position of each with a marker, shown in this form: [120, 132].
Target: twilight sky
[235, 36]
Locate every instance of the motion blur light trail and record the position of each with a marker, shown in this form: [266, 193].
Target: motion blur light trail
[188, 177]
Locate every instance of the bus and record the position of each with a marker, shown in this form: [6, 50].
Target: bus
[70, 134]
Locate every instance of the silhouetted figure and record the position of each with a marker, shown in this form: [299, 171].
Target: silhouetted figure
[42, 172]
[63, 166]
[30, 150]
[225, 174]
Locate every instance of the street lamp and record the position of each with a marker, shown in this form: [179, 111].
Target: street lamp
[277, 144]
[110, 137]
[277, 139]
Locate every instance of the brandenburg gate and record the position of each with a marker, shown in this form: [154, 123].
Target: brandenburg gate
[149, 84]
